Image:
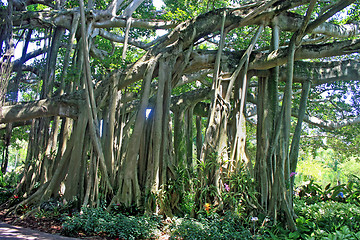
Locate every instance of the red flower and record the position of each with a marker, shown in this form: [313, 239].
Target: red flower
[16, 196]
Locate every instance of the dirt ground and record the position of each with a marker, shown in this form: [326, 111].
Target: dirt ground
[13, 227]
[40, 225]
[8, 232]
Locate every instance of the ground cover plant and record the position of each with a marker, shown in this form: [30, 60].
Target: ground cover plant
[321, 220]
[100, 221]
[317, 218]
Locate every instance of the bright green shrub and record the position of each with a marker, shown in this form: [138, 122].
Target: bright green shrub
[94, 221]
[229, 226]
[330, 216]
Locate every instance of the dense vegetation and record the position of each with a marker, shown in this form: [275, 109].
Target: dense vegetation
[202, 119]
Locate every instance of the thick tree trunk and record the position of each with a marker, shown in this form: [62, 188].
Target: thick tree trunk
[6, 57]
[129, 189]
[263, 170]
[237, 137]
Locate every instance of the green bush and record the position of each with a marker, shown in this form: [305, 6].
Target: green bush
[312, 192]
[5, 194]
[95, 221]
[229, 226]
[320, 221]
[328, 216]
[343, 234]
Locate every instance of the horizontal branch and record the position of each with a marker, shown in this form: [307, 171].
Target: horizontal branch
[27, 68]
[16, 124]
[104, 19]
[42, 108]
[120, 39]
[201, 59]
[204, 59]
[289, 21]
[330, 125]
[327, 72]
[187, 99]
[279, 57]
[17, 63]
[136, 23]
[63, 18]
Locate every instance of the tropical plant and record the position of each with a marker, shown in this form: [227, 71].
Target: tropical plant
[94, 221]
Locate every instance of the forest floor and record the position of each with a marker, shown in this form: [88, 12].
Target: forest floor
[11, 232]
[46, 225]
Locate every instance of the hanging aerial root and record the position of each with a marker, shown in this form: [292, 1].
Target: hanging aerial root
[212, 129]
[127, 30]
[129, 190]
[75, 25]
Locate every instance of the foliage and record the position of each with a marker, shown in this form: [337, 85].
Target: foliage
[115, 225]
[207, 192]
[239, 192]
[312, 192]
[132, 210]
[338, 100]
[229, 226]
[328, 216]
[344, 233]
[184, 10]
[187, 204]
[321, 220]
[10, 179]
[57, 207]
[5, 193]
[325, 166]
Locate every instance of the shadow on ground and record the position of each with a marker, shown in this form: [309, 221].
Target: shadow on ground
[8, 232]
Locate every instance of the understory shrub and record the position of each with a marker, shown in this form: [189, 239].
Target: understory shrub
[97, 220]
[326, 220]
[312, 192]
[330, 216]
[5, 194]
[229, 226]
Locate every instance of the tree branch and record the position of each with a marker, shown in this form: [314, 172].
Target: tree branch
[336, 8]
[329, 125]
[136, 23]
[276, 58]
[289, 21]
[43, 108]
[116, 38]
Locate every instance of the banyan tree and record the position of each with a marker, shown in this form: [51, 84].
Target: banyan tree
[120, 115]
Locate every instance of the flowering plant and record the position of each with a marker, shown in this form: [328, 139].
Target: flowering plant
[227, 187]
[207, 207]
